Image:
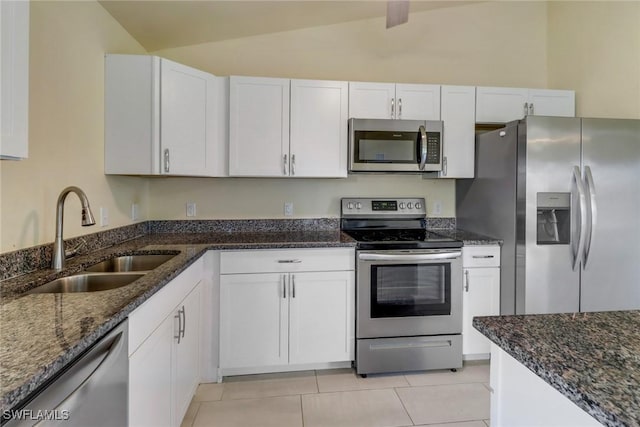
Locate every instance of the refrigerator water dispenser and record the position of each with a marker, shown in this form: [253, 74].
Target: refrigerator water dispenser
[553, 218]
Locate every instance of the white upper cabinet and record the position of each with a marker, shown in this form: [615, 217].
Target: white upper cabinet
[258, 126]
[458, 109]
[287, 128]
[319, 115]
[163, 118]
[394, 101]
[14, 79]
[504, 104]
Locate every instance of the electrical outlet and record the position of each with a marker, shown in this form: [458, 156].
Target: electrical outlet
[288, 209]
[135, 212]
[437, 207]
[191, 209]
[104, 217]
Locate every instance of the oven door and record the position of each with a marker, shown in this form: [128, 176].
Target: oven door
[409, 293]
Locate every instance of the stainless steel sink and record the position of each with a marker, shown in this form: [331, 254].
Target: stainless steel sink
[130, 263]
[87, 283]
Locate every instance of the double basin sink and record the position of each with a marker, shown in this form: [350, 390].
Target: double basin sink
[109, 274]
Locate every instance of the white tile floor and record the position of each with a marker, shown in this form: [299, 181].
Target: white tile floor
[339, 397]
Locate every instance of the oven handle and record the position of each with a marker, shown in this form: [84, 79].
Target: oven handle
[409, 257]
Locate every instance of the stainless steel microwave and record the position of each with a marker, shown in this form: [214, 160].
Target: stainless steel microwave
[386, 145]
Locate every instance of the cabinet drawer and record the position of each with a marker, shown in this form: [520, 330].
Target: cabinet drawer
[481, 256]
[276, 261]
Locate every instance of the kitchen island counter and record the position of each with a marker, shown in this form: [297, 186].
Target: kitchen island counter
[590, 358]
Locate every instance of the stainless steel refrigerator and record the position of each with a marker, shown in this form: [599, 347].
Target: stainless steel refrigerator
[564, 195]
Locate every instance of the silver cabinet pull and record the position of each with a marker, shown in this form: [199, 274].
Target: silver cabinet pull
[293, 164]
[393, 108]
[179, 317]
[399, 108]
[284, 286]
[526, 108]
[482, 256]
[289, 261]
[284, 165]
[531, 108]
[466, 280]
[166, 160]
[293, 286]
[184, 321]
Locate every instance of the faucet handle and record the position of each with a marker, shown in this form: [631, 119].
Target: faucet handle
[74, 250]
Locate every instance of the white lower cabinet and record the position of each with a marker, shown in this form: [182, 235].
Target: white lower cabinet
[481, 296]
[164, 365]
[288, 318]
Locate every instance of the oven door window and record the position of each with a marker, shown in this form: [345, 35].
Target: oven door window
[386, 147]
[403, 290]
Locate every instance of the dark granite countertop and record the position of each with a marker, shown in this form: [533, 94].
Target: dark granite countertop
[469, 238]
[591, 358]
[41, 333]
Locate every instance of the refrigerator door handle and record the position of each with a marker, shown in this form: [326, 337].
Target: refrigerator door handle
[582, 199]
[593, 213]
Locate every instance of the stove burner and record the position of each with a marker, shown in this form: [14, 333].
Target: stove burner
[401, 239]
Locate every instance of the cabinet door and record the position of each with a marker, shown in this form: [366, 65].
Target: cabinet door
[258, 126]
[185, 125]
[417, 102]
[500, 104]
[14, 79]
[187, 352]
[150, 403]
[372, 100]
[559, 103]
[319, 114]
[321, 317]
[458, 115]
[253, 320]
[481, 297]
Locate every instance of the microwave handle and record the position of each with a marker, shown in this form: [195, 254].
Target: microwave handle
[423, 146]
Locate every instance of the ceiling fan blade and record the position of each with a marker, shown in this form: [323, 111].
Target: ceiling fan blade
[397, 12]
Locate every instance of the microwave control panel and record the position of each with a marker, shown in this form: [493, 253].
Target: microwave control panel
[433, 147]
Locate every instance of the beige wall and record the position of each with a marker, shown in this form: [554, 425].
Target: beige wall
[594, 48]
[500, 44]
[67, 44]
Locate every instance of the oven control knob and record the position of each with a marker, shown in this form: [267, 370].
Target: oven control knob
[418, 205]
[358, 205]
[409, 205]
[401, 205]
[349, 205]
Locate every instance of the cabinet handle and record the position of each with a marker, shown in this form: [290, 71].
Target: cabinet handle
[293, 164]
[284, 165]
[526, 108]
[466, 280]
[399, 108]
[166, 160]
[293, 286]
[482, 256]
[284, 286]
[393, 108]
[184, 321]
[531, 108]
[179, 317]
[289, 261]
[444, 166]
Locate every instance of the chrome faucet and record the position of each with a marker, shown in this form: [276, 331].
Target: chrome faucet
[59, 254]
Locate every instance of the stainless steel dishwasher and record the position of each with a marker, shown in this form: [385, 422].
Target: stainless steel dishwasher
[90, 392]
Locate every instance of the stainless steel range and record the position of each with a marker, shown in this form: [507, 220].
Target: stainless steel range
[408, 287]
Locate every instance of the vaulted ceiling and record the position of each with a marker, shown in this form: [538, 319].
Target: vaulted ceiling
[163, 24]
